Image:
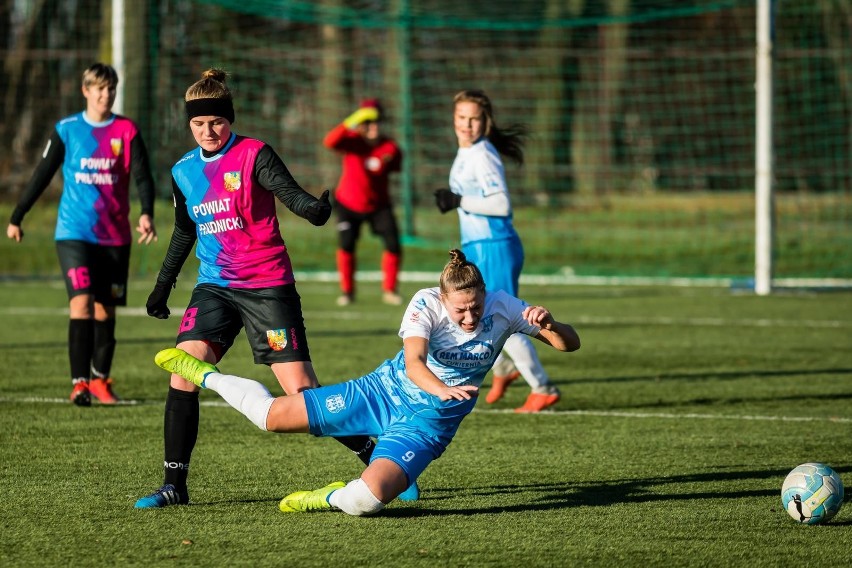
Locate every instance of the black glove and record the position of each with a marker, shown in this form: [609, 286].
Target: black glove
[156, 303]
[446, 200]
[319, 211]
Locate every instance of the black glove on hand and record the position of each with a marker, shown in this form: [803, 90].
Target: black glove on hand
[319, 211]
[156, 304]
[446, 200]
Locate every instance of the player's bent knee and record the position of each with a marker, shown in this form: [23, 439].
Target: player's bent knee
[356, 499]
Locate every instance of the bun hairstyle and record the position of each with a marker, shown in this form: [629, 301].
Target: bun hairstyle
[460, 274]
[210, 96]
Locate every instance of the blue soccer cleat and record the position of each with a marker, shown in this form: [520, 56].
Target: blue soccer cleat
[163, 497]
[410, 494]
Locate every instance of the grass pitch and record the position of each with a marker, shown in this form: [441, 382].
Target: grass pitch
[661, 236]
[681, 415]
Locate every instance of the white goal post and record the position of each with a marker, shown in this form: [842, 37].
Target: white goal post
[764, 202]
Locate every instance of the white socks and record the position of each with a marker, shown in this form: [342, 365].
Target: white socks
[524, 356]
[250, 397]
[356, 499]
[503, 366]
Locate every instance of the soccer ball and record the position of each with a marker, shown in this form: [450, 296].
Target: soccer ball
[812, 493]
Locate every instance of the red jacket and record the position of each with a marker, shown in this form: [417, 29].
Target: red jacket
[363, 185]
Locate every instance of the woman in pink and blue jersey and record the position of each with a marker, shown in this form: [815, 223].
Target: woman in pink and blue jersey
[478, 191]
[413, 403]
[225, 192]
[99, 152]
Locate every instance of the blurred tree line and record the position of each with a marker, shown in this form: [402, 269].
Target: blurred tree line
[627, 96]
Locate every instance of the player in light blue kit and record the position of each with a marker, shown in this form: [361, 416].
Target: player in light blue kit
[479, 193]
[414, 403]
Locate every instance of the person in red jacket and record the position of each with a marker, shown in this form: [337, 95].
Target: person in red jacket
[362, 195]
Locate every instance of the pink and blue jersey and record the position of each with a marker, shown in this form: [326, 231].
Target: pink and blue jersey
[95, 204]
[239, 240]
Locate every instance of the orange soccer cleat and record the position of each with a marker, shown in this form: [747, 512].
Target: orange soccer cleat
[536, 402]
[102, 389]
[499, 385]
[80, 394]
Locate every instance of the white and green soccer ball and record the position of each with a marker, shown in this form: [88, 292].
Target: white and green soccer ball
[812, 493]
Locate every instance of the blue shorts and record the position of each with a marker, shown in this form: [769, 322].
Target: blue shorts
[500, 263]
[366, 407]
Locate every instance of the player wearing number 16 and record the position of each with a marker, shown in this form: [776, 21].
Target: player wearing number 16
[99, 152]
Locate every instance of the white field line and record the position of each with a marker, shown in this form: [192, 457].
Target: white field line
[710, 322]
[675, 416]
[548, 413]
[565, 278]
[577, 319]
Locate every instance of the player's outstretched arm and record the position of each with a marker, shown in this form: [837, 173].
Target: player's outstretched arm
[559, 335]
[274, 176]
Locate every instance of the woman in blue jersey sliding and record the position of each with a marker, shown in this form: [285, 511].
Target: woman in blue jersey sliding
[478, 191]
[99, 152]
[413, 403]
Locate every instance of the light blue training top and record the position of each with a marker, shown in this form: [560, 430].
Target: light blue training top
[478, 172]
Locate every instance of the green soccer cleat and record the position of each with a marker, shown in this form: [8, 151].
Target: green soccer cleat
[307, 501]
[181, 363]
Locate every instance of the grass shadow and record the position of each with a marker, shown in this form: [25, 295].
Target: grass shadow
[555, 496]
[709, 375]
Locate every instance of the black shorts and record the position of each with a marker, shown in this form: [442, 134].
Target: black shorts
[95, 269]
[272, 318]
[382, 224]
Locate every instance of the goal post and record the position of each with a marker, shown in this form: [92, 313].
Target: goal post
[764, 204]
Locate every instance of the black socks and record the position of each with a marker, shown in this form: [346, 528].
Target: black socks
[80, 346]
[103, 348]
[180, 431]
[362, 446]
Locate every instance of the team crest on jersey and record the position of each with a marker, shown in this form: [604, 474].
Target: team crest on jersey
[335, 403]
[492, 181]
[115, 144]
[232, 181]
[487, 323]
[277, 339]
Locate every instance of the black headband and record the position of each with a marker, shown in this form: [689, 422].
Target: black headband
[210, 107]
